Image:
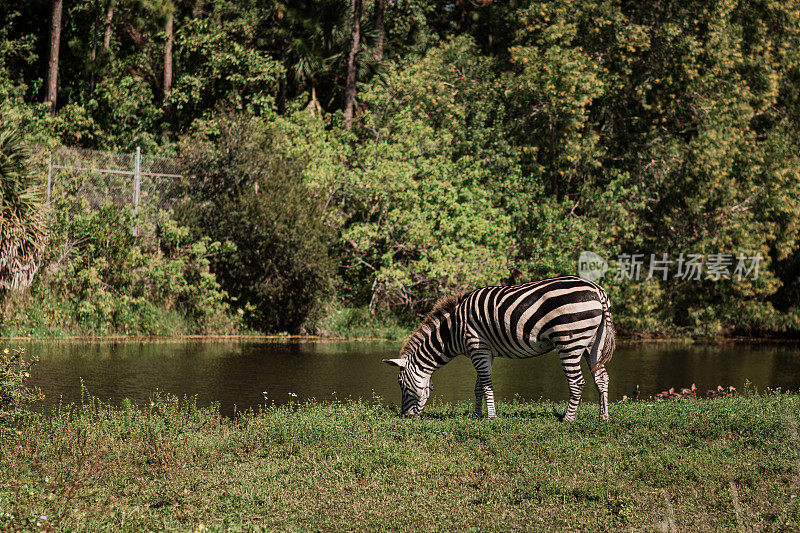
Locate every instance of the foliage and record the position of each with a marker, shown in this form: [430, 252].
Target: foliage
[171, 465]
[361, 323]
[225, 68]
[23, 234]
[492, 143]
[15, 395]
[246, 179]
[98, 279]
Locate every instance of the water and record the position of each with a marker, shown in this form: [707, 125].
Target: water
[238, 373]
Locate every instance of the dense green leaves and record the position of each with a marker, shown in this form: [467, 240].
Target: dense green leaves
[493, 143]
[246, 187]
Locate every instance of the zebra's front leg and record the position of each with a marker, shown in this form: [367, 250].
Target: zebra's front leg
[601, 381]
[571, 363]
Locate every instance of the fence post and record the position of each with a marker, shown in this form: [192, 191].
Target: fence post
[49, 176]
[137, 184]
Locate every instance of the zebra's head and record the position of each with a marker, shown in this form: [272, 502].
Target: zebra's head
[415, 387]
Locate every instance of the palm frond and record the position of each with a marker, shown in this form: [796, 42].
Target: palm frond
[23, 228]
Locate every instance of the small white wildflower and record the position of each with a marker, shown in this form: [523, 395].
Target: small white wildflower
[293, 395]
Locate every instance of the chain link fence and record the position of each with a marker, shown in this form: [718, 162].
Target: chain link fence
[146, 183]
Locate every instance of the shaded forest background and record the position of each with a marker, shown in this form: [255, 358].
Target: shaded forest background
[347, 164]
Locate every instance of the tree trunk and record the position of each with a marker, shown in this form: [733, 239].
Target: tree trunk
[281, 103]
[461, 9]
[490, 30]
[352, 66]
[107, 34]
[168, 57]
[95, 26]
[55, 40]
[313, 106]
[379, 30]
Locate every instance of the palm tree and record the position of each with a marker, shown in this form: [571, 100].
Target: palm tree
[315, 39]
[23, 232]
[314, 34]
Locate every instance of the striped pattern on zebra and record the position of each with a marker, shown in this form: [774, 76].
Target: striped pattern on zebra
[567, 314]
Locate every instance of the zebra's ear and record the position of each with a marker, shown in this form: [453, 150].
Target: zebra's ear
[402, 362]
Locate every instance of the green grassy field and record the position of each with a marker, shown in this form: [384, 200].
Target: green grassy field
[722, 464]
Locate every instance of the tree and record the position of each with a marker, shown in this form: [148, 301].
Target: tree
[352, 66]
[55, 40]
[248, 179]
[94, 45]
[313, 41]
[380, 33]
[168, 50]
[219, 63]
[108, 28]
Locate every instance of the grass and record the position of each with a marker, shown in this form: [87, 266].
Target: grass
[358, 322]
[690, 465]
[27, 315]
[55, 316]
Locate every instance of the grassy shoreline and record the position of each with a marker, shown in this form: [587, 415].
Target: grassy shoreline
[621, 340]
[695, 464]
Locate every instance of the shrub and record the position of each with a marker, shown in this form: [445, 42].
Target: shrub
[245, 185]
[98, 278]
[14, 394]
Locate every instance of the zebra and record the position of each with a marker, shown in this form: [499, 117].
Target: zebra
[567, 314]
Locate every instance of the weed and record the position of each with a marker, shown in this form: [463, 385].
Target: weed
[346, 465]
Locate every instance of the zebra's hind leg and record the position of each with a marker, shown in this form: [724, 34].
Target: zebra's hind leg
[601, 381]
[571, 363]
[478, 397]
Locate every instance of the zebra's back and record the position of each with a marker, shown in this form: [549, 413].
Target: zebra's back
[528, 320]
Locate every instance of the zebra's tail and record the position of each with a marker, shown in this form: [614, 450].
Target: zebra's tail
[607, 327]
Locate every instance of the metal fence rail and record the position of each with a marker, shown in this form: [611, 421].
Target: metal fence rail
[146, 183]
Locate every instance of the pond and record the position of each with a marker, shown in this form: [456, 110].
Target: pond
[237, 373]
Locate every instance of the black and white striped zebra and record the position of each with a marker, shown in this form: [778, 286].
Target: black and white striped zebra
[567, 314]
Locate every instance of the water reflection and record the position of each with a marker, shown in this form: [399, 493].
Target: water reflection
[235, 374]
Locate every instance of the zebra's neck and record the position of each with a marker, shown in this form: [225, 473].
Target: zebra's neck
[432, 345]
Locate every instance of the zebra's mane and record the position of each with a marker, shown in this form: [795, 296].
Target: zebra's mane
[443, 307]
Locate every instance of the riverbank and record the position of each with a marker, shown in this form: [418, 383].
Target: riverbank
[26, 317]
[246, 337]
[693, 464]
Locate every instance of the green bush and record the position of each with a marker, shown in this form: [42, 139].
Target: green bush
[99, 279]
[247, 186]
